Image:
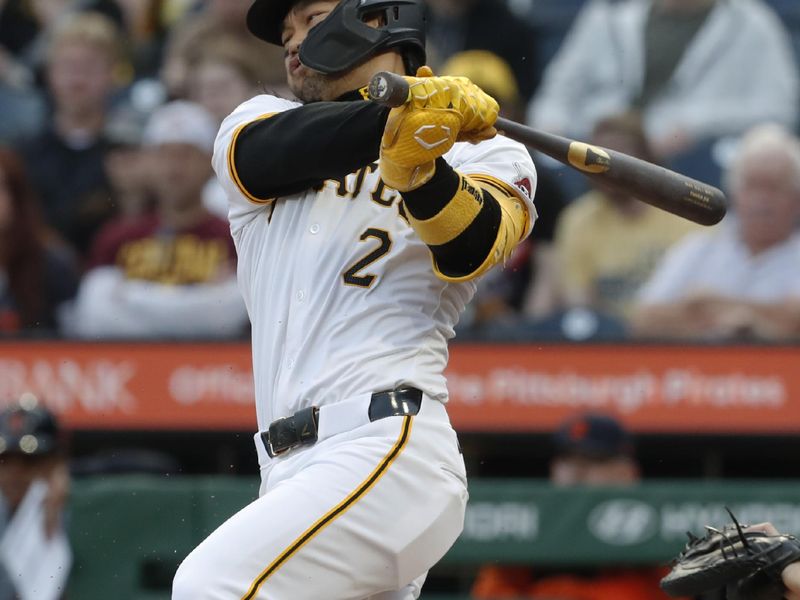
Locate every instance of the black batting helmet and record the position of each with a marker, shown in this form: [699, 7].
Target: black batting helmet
[28, 429]
[343, 40]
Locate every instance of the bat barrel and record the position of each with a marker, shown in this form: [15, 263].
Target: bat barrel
[665, 189]
[611, 170]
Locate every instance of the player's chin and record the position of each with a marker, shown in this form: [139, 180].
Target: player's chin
[310, 88]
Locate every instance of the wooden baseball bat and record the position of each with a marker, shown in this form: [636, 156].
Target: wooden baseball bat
[655, 185]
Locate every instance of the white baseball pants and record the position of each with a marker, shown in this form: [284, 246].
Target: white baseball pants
[360, 515]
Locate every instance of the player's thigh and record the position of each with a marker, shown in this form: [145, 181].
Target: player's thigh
[386, 527]
[363, 517]
[282, 546]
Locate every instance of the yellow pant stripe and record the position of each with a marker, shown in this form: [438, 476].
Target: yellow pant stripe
[232, 164]
[453, 219]
[336, 511]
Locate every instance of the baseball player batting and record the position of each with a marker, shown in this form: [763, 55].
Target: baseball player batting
[360, 232]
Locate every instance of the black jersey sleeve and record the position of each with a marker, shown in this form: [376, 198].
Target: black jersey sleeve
[300, 148]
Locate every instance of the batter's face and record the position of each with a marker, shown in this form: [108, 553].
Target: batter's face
[308, 85]
[312, 86]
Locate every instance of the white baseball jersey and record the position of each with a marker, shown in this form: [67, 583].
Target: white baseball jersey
[340, 291]
[344, 302]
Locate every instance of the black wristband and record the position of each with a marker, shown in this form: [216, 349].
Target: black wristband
[429, 199]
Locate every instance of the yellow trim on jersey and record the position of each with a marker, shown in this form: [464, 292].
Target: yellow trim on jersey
[454, 218]
[232, 165]
[336, 511]
[514, 221]
[510, 191]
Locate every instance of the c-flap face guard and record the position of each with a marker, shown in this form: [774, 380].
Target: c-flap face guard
[343, 40]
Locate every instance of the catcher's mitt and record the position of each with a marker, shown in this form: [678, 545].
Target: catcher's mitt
[747, 563]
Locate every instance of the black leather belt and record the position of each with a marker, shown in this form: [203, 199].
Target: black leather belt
[301, 428]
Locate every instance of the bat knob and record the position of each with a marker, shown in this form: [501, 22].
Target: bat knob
[379, 88]
[388, 89]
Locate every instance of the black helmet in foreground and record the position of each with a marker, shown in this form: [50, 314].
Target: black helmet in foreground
[343, 39]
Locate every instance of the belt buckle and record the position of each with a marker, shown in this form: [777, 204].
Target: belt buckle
[285, 431]
[271, 434]
[272, 452]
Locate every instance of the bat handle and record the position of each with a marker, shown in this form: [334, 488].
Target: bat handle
[388, 89]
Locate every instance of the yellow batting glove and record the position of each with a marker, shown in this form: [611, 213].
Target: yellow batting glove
[412, 140]
[477, 107]
[439, 112]
[418, 133]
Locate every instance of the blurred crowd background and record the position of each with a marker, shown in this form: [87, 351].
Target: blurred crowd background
[113, 228]
[112, 224]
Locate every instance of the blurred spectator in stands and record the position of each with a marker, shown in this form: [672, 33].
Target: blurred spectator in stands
[37, 273]
[146, 33]
[220, 19]
[34, 485]
[591, 449]
[696, 69]
[170, 274]
[608, 243]
[25, 25]
[23, 106]
[18, 26]
[67, 156]
[458, 25]
[50, 13]
[128, 190]
[527, 282]
[146, 26]
[127, 165]
[489, 71]
[740, 279]
[222, 76]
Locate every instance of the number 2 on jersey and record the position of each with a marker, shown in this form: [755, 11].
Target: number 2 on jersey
[351, 276]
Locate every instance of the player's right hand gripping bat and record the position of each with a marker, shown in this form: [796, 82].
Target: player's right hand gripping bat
[660, 187]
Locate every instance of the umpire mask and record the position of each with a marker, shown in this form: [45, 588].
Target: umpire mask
[343, 40]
